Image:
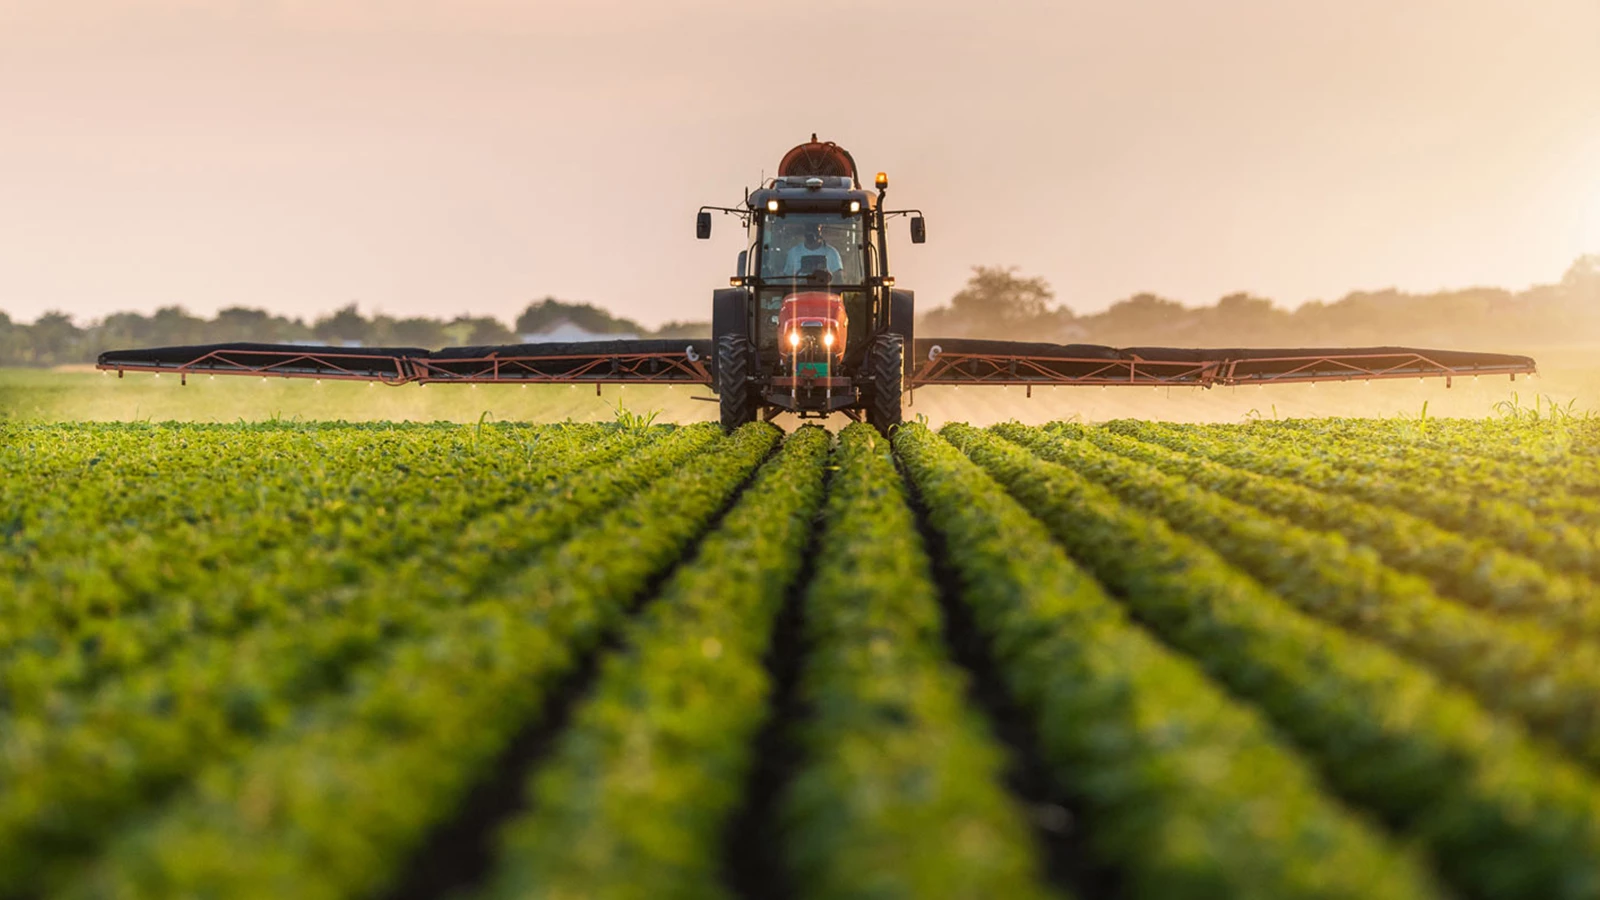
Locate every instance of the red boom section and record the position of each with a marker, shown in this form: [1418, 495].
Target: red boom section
[963, 361]
[593, 362]
[948, 361]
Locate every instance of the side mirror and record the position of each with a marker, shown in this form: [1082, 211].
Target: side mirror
[744, 257]
[919, 230]
[702, 225]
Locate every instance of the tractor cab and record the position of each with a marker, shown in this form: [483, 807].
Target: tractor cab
[811, 296]
[798, 253]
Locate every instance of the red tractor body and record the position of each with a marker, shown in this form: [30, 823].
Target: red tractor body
[811, 333]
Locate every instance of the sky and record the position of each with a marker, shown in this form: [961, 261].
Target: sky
[432, 158]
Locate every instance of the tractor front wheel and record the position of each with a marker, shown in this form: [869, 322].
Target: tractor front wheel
[735, 391]
[886, 369]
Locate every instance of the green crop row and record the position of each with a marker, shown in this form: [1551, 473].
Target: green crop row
[1188, 793]
[177, 484]
[161, 516]
[1565, 491]
[187, 484]
[1336, 658]
[1550, 682]
[291, 588]
[1558, 546]
[173, 484]
[1543, 443]
[634, 799]
[131, 608]
[1501, 816]
[333, 804]
[1473, 570]
[898, 793]
[76, 766]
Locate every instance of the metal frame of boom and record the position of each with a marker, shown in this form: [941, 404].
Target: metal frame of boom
[942, 369]
[1021, 370]
[607, 368]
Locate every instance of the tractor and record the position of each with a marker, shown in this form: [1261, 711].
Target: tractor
[812, 323]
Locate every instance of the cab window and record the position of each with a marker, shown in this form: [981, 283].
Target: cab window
[796, 243]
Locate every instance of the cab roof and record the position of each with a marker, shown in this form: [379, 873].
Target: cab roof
[812, 194]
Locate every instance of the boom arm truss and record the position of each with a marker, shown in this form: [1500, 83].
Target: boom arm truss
[590, 362]
[955, 361]
[965, 362]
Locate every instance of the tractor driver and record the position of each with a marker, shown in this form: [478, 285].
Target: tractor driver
[795, 262]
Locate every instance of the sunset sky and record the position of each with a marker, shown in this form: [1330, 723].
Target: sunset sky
[434, 158]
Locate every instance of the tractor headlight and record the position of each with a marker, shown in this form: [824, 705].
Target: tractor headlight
[794, 338]
[772, 206]
[827, 339]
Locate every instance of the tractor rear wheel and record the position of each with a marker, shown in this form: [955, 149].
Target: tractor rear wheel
[886, 369]
[735, 391]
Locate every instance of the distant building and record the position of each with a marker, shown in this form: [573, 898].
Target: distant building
[566, 332]
[320, 343]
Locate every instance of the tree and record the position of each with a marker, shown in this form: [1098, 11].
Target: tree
[550, 313]
[1244, 307]
[1585, 268]
[1241, 319]
[175, 326]
[683, 330]
[239, 324]
[477, 331]
[55, 339]
[346, 325]
[416, 332]
[1582, 282]
[1142, 319]
[998, 303]
[998, 293]
[13, 342]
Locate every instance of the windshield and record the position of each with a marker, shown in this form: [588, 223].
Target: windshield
[798, 244]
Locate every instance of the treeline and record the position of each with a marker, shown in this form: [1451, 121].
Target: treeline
[995, 303]
[999, 303]
[56, 339]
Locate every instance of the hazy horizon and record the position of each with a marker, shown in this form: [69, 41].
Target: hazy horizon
[426, 159]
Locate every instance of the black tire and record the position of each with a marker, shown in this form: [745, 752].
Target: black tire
[886, 369]
[730, 309]
[735, 391]
[902, 321]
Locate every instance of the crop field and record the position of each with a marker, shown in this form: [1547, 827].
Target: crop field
[1330, 658]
